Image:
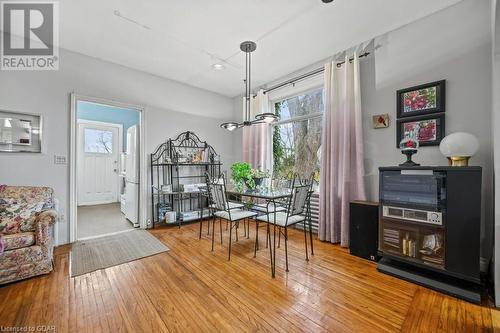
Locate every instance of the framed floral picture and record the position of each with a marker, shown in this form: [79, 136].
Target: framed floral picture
[420, 100]
[429, 130]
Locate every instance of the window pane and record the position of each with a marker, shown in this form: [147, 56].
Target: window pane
[296, 144]
[296, 148]
[301, 105]
[98, 141]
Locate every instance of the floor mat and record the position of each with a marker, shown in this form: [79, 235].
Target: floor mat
[107, 251]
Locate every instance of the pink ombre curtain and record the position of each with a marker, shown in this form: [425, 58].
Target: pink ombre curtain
[342, 167]
[257, 139]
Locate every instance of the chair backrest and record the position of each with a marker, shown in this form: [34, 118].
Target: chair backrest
[216, 189]
[300, 194]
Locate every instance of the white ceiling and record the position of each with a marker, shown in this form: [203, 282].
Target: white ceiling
[181, 39]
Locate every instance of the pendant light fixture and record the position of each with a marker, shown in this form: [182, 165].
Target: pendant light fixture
[248, 47]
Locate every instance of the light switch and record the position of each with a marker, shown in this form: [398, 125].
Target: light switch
[59, 159]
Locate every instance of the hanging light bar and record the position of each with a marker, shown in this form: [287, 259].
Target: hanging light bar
[248, 47]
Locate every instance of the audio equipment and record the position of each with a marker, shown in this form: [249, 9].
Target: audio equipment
[363, 229]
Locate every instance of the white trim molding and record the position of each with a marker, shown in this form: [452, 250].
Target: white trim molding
[75, 98]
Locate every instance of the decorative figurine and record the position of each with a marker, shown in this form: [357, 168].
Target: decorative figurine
[409, 146]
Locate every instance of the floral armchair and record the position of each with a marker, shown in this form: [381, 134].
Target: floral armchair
[26, 243]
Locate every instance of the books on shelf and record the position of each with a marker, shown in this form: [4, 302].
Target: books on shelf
[391, 238]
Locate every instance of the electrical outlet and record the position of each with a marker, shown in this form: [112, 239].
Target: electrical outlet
[60, 159]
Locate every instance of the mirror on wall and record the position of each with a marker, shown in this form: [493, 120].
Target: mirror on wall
[20, 132]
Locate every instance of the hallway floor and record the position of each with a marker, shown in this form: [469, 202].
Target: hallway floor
[101, 219]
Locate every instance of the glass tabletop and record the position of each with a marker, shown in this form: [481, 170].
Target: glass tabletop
[260, 192]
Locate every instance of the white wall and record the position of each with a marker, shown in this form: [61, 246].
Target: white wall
[171, 108]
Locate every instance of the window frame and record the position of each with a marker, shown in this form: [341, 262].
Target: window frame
[297, 89]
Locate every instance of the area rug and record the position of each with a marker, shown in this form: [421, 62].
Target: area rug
[107, 251]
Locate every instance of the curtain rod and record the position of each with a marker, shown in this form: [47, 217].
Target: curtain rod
[306, 75]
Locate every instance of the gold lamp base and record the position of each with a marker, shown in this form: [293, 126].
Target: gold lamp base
[458, 160]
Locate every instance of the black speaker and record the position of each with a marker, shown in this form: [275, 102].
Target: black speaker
[363, 229]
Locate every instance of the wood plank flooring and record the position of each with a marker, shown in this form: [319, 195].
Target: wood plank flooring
[191, 288]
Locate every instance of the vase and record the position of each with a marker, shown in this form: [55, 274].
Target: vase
[409, 162]
[258, 181]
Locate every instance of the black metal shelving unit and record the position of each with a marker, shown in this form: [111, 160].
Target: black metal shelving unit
[174, 164]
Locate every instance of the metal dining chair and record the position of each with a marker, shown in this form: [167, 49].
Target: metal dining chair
[217, 194]
[211, 205]
[277, 182]
[298, 210]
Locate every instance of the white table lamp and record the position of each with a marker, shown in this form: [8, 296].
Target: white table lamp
[459, 147]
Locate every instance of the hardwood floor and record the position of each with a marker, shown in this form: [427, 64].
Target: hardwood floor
[190, 288]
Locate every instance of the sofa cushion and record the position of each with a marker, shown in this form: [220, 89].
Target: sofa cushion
[19, 217]
[27, 194]
[16, 241]
[22, 256]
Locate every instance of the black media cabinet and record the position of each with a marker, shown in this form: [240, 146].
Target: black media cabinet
[429, 227]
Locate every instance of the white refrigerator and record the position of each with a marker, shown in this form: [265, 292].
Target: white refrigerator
[132, 176]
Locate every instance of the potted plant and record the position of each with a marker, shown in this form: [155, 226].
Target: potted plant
[258, 175]
[241, 175]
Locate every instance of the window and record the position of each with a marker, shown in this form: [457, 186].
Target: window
[297, 136]
[98, 141]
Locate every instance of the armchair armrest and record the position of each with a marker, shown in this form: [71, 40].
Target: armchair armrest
[43, 222]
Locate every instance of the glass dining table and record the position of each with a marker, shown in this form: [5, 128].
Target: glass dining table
[271, 196]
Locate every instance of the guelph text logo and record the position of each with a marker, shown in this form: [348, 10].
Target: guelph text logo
[30, 35]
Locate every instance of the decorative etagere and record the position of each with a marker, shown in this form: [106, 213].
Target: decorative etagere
[178, 169]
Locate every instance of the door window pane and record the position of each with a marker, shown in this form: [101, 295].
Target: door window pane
[98, 141]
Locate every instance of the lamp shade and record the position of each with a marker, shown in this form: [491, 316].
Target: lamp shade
[459, 147]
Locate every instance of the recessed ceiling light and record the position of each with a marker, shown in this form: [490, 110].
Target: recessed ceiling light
[327, 1]
[218, 67]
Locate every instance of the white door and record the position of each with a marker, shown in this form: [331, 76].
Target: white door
[97, 163]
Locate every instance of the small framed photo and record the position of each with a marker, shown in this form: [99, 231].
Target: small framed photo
[429, 129]
[381, 121]
[421, 100]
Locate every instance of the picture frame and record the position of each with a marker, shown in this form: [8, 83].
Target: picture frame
[421, 100]
[20, 132]
[430, 129]
[381, 121]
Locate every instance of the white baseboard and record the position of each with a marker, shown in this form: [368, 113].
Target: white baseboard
[107, 234]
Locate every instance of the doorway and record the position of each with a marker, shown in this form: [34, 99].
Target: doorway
[106, 168]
